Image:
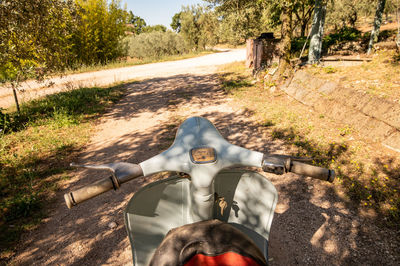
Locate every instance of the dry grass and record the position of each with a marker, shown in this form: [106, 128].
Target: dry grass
[367, 174]
[380, 77]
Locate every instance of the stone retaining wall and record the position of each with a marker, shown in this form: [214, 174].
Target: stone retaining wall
[376, 118]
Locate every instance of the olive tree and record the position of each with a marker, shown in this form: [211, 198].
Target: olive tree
[35, 39]
[198, 26]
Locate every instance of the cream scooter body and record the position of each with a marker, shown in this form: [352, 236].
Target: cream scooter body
[244, 199]
[211, 187]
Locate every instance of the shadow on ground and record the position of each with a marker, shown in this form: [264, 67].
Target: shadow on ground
[312, 224]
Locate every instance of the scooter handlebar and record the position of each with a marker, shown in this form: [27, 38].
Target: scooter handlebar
[87, 192]
[280, 164]
[312, 171]
[121, 173]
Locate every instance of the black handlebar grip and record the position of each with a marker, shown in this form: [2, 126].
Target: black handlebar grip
[88, 192]
[312, 171]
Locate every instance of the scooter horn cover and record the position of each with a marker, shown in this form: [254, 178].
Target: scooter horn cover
[207, 243]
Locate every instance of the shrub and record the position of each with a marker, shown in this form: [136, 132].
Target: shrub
[297, 45]
[156, 44]
[4, 121]
[345, 34]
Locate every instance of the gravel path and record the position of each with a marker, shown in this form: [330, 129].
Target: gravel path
[312, 225]
[203, 64]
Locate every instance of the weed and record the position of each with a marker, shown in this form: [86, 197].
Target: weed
[365, 176]
[267, 123]
[36, 147]
[345, 130]
[329, 69]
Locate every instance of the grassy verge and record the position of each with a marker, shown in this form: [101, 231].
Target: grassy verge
[367, 175]
[137, 61]
[378, 78]
[36, 148]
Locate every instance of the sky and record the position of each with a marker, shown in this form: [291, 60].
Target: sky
[157, 11]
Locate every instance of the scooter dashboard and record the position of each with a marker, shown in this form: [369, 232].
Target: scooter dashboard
[203, 155]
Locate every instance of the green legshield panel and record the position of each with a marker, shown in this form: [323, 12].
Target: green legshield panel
[245, 199]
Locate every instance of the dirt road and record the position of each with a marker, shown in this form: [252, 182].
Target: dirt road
[312, 225]
[203, 64]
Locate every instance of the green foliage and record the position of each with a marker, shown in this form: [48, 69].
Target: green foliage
[176, 22]
[55, 107]
[137, 23]
[236, 28]
[343, 35]
[298, 43]
[4, 121]
[346, 13]
[39, 148]
[240, 20]
[301, 12]
[330, 70]
[198, 26]
[156, 44]
[35, 37]
[158, 27]
[98, 38]
[40, 37]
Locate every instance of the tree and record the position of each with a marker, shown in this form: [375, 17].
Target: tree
[345, 13]
[156, 44]
[208, 28]
[198, 26]
[98, 38]
[190, 27]
[176, 22]
[240, 19]
[158, 27]
[35, 39]
[287, 36]
[303, 11]
[137, 23]
[377, 24]
[317, 31]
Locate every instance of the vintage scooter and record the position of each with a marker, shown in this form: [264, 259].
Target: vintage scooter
[211, 188]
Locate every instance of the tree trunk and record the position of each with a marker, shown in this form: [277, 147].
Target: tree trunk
[14, 88]
[377, 24]
[286, 40]
[398, 29]
[303, 29]
[317, 32]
